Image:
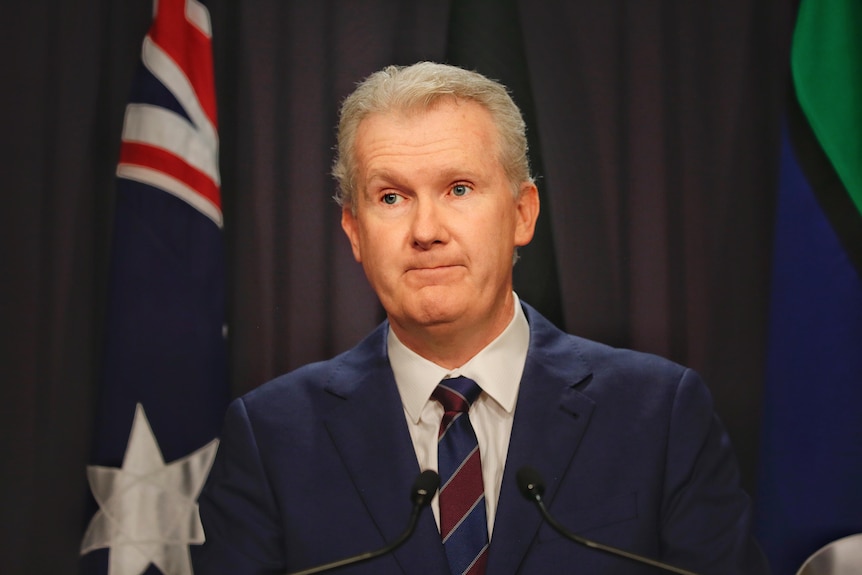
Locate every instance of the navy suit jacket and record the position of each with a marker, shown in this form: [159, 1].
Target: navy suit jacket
[318, 465]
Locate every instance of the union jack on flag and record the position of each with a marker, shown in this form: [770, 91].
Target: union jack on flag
[169, 135]
[163, 389]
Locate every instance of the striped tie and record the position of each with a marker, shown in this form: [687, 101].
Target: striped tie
[463, 525]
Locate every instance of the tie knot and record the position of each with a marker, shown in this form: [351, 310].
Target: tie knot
[456, 394]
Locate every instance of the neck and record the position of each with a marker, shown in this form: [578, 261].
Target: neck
[451, 345]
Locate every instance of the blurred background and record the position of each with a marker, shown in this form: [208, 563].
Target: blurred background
[655, 132]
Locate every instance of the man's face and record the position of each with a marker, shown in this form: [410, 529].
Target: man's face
[436, 221]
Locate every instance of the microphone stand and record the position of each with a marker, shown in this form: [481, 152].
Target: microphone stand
[532, 488]
[423, 491]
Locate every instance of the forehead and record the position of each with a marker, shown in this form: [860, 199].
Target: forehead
[447, 127]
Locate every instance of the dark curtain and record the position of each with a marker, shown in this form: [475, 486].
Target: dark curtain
[655, 128]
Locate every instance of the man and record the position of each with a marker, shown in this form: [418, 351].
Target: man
[317, 465]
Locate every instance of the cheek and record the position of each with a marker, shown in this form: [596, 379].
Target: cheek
[493, 251]
[378, 255]
[502, 236]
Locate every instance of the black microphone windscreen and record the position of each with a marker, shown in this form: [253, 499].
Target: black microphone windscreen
[424, 488]
[530, 483]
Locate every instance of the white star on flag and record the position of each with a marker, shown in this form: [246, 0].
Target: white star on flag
[148, 510]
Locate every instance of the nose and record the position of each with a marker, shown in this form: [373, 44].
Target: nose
[428, 226]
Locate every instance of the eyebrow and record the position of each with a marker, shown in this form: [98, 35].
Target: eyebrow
[448, 175]
[384, 179]
[383, 175]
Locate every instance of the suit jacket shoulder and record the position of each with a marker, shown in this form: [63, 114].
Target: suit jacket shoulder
[633, 456]
[314, 466]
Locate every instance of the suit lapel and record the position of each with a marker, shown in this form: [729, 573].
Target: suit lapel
[368, 427]
[550, 419]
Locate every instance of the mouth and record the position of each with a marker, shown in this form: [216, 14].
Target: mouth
[437, 272]
[422, 267]
[434, 267]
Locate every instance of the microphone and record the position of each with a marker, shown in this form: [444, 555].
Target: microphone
[421, 494]
[533, 488]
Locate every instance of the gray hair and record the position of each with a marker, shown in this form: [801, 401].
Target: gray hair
[419, 87]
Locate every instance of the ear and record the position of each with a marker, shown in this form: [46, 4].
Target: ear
[526, 213]
[351, 229]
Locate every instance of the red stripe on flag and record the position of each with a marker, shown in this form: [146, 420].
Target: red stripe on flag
[163, 161]
[190, 48]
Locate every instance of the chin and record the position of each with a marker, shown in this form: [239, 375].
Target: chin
[436, 311]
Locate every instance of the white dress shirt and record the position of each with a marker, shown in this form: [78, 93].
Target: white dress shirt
[497, 369]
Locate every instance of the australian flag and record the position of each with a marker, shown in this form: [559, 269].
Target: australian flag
[165, 338]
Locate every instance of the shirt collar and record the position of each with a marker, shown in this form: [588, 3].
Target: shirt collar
[497, 368]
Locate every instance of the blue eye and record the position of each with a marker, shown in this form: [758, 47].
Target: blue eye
[460, 190]
[390, 199]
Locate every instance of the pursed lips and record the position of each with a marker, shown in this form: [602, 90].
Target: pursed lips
[433, 270]
[432, 265]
